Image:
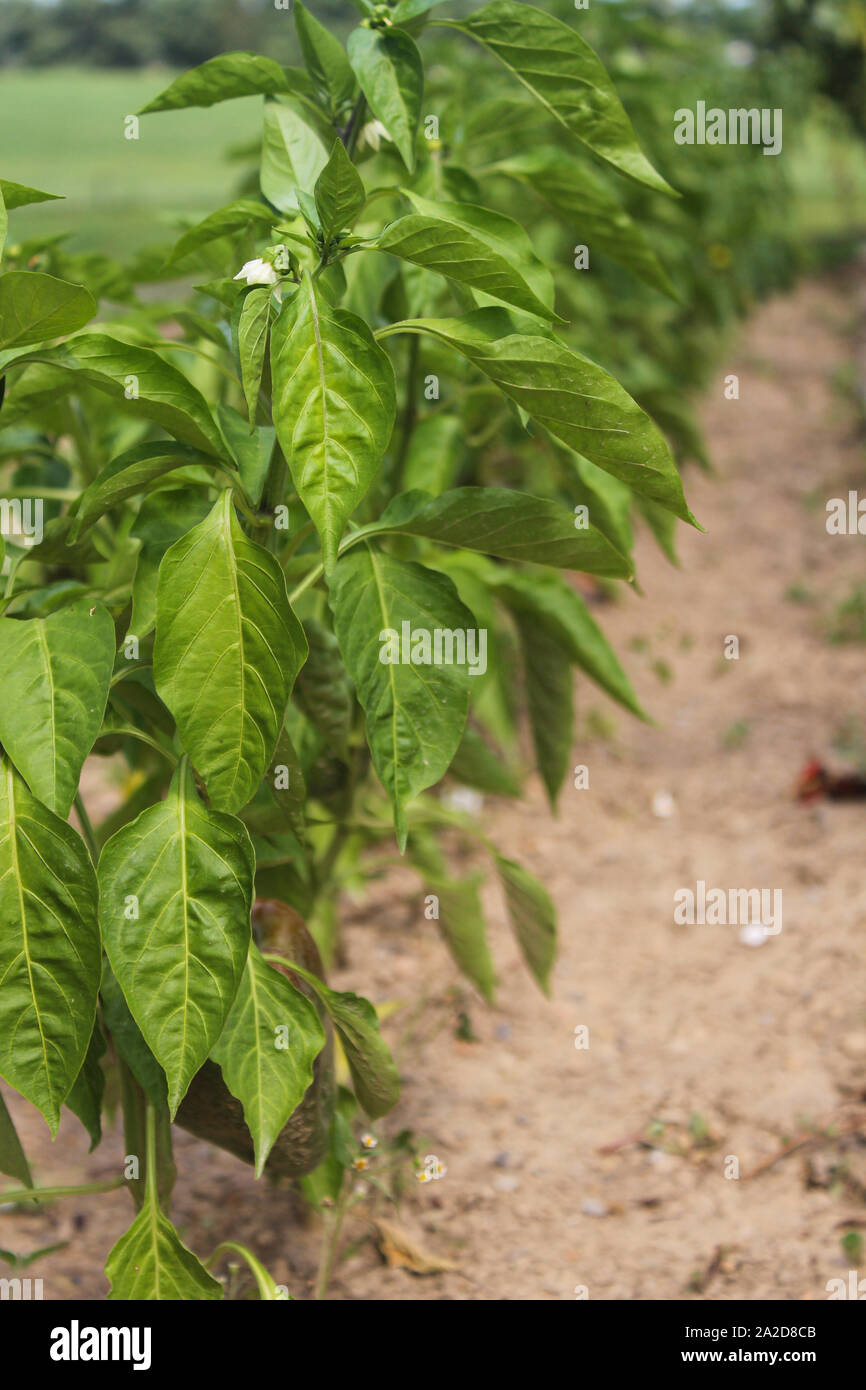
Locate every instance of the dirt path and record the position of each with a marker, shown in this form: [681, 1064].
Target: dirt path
[701, 1047]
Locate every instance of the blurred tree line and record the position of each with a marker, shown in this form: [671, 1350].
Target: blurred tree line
[132, 33]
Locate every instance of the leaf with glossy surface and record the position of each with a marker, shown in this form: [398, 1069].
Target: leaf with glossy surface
[138, 379]
[295, 150]
[475, 247]
[550, 701]
[339, 193]
[228, 648]
[56, 674]
[235, 217]
[35, 307]
[175, 895]
[49, 948]
[576, 400]
[415, 712]
[390, 70]
[334, 407]
[325, 58]
[150, 1262]
[224, 78]
[253, 328]
[266, 1050]
[127, 475]
[374, 1076]
[513, 525]
[532, 916]
[18, 195]
[569, 79]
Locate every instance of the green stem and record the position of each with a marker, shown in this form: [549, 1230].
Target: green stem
[130, 731]
[86, 827]
[330, 1241]
[51, 1194]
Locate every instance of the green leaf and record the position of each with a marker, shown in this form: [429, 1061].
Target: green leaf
[252, 344]
[235, 217]
[461, 915]
[128, 1042]
[49, 948]
[334, 407]
[85, 1098]
[595, 216]
[476, 765]
[543, 600]
[339, 193]
[13, 1160]
[415, 712]
[252, 449]
[127, 475]
[295, 150]
[474, 247]
[266, 1050]
[4, 222]
[35, 307]
[561, 70]
[269, 1290]
[607, 500]
[175, 894]
[550, 701]
[390, 70]
[663, 526]
[139, 380]
[163, 517]
[513, 525]
[374, 1075]
[323, 689]
[571, 396]
[532, 916]
[150, 1262]
[224, 78]
[56, 671]
[18, 195]
[228, 648]
[325, 58]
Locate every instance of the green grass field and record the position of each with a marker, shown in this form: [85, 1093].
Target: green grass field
[64, 133]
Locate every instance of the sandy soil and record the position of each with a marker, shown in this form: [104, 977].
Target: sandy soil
[605, 1167]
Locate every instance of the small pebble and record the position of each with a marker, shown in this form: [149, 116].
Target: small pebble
[506, 1184]
[591, 1206]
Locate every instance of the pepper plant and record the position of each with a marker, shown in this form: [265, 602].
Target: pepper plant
[282, 570]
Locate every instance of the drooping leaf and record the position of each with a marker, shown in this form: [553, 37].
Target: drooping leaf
[390, 70]
[253, 328]
[566, 75]
[334, 407]
[513, 525]
[374, 1075]
[138, 379]
[415, 712]
[460, 914]
[544, 600]
[266, 1050]
[571, 396]
[56, 674]
[595, 216]
[474, 247]
[325, 58]
[49, 948]
[339, 193]
[175, 895]
[550, 701]
[224, 78]
[129, 474]
[228, 648]
[295, 150]
[323, 689]
[532, 916]
[150, 1262]
[85, 1098]
[35, 307]
[13, 1160]
[476, 765]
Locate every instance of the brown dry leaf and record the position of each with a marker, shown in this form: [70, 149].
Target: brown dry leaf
[402, 1251]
